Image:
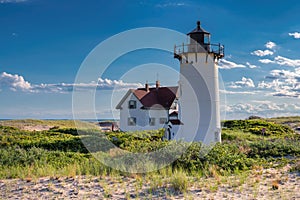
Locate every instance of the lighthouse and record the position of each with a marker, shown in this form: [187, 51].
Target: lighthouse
[198, 96]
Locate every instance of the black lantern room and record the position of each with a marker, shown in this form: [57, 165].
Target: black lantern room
[200, 36]
[199, 42]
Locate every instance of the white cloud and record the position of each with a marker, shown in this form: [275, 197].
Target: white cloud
[245, 82]
[284, 74]
[262, 108]
[286, 93]
[283, 61]
[238, 92]
[287, 62]
[267, 85]
[270, 45]
[254, 108]
[266, 61]
[225, 64]
[251, 66]
[14, 82]
[12, 1]
[18, 83]
[171, 4]
[119, 84]
[237, 108]
[282, 83]
[262, 53]
[296, 35]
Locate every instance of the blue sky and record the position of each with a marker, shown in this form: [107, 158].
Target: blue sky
[43, 44]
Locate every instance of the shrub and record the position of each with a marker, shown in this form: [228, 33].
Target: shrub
[230, 137]
[256, 126]
[275, 148]
[229, 158]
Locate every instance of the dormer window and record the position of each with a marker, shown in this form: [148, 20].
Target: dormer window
[132, 104]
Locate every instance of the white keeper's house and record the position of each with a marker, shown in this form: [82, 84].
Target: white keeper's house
[147, 108]
[189, 111]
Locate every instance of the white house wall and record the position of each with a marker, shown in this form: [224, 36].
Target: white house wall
[125, 113]
[142, 116]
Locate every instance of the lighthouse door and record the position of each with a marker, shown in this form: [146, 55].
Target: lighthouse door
[169, 134]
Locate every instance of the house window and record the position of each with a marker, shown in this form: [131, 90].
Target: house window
[131, 121]
[162, 120]
[152, 121]
[132, 104]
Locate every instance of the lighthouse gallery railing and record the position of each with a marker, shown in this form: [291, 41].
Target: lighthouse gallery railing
[216, 49]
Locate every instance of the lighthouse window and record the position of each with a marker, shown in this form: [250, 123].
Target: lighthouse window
[132, 104]
[131, 121]
[152, 121]
[206, 39]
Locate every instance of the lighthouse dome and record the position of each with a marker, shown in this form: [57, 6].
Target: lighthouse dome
[198, 30]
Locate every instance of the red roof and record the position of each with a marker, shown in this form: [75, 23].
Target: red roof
[156, 98]
[153, 98]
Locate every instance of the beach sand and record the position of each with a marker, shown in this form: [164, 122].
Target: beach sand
[259, 184]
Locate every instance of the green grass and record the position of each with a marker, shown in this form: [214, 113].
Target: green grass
[284, 120]
[64, 151]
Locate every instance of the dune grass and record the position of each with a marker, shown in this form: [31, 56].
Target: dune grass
[62, 151]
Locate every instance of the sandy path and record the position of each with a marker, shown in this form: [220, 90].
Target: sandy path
[36, 127]
[259, 185]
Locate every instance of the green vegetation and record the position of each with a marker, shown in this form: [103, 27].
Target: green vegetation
[257, 127]
[284, 120]
[62, 151]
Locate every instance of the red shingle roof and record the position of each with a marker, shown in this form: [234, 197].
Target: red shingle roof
[156, 98]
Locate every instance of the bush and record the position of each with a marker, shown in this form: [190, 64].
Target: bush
[230, 137]
[256, 126]
[229, 158]
[275, 148]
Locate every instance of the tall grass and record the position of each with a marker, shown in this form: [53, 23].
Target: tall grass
[179, 181]
[64, 152]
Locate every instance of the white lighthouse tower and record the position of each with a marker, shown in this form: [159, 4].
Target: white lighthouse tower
[199, 109]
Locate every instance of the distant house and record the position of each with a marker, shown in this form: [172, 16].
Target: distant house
[147, 108]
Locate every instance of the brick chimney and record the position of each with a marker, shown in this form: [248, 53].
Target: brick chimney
[157, 84]
[147, 87]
